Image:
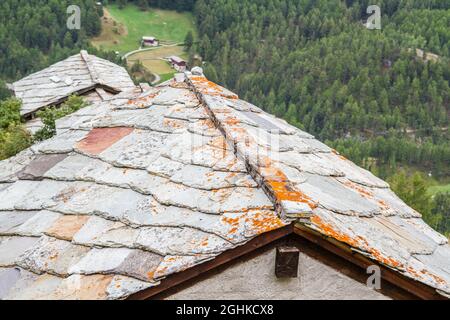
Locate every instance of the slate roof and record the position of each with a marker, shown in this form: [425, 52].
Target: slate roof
[76, 74]
[156, 181]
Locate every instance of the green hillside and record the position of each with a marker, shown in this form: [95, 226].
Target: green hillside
[167, 25]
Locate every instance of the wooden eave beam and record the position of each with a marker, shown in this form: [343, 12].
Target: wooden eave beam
[417, 289]
[224, 258]
[343, 250]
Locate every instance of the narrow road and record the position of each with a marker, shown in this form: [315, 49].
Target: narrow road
[126, 55]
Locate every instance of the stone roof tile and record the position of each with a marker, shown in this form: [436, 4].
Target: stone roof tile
[142, 185]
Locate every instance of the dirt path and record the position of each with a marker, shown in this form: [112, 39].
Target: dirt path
[126, 55]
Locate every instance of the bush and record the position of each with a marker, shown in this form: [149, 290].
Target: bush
[51, 114]
[9, 112]
[4, 91]
[13, 139]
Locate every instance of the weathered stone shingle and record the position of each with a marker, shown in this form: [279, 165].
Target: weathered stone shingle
[146, 184]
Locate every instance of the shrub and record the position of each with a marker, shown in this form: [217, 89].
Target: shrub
[51, 114]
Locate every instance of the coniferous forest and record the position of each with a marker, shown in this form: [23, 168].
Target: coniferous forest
[368, 93]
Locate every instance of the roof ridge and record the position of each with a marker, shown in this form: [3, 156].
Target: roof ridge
[91, 68]
[289, 204]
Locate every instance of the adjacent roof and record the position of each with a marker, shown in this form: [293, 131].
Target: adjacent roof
[154, 182]
[176, 59]
[77, 74]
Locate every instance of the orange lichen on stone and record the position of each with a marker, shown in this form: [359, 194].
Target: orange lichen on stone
[366, 194]
[361, 190]
[385, 260]
[151, 275]
[143, 102]
[280, 186]
[67, 226]
[257, 220]
[177, 124]
[100, 139]
[207, 122]
[205, 86]
[218, 142]
[265, 221]
[328, 230]
[232, 121]
[357, 242]
[339, 155]
[436, 278]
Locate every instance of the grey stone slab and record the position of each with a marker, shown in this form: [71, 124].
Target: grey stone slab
[135, 263]
[311, 163]
[70, 168]
[352, 171]
[13, 247]
[105, 233]
[204, 127]
[8, 278]
[405, 234]
[42, 195]
[364, 235]
[52, 256]
[165, 167]
[215, 201]
[4, 186]
[175, 263]
[207, 179]
[81, 287]
[432, 269]
[10, 220]
[421, 226]
[183, 241]
[9, 167]
[62, 143]
[195, 149]
[263, 122]
[181, 112]
[137, 150]
[170, 96]
[15, 193]
[332, 195]
[39, 166]
[37, 224]
[140, 264]
[122, 287]
[392, 204]
[74, 121]
[102, 200]
[148, 119]
[33, 287]
[83, 168]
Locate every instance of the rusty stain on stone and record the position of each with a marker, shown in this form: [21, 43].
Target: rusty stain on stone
[100, 139]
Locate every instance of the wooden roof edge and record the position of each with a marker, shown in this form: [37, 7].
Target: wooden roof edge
[178, 278]
[413, 287]
[416, 288]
